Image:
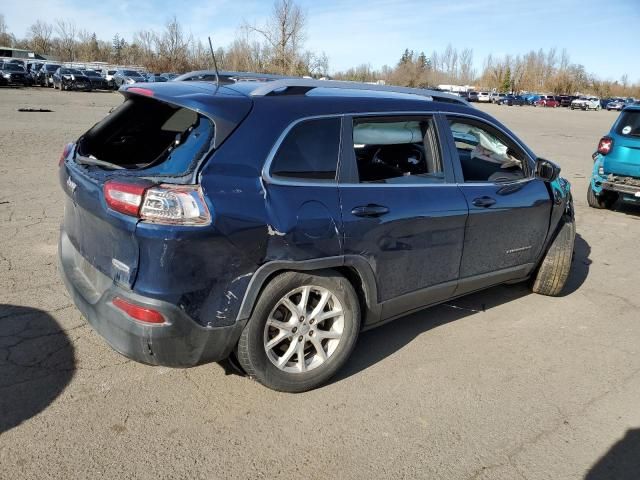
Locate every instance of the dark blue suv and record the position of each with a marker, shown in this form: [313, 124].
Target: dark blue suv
[274, 221]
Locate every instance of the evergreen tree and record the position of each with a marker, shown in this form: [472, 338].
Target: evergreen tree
[506, 82]
[117, 48]
[406, 57]
[423, 62]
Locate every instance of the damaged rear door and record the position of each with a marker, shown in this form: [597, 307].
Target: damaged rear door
[302, 166]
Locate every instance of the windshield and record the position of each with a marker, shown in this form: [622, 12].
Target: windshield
[91, 73]
[51, 68]
[131, 73]
[13, 67]
[628, 124]
[70, 71]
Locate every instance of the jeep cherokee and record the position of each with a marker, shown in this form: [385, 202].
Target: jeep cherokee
[274, 221]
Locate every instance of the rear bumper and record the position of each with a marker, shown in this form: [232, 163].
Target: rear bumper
[180, 342]
[625, 185]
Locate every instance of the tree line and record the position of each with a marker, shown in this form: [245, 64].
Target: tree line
[536, 71]
[277, 46]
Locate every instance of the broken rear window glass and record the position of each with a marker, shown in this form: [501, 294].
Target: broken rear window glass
[148, 136]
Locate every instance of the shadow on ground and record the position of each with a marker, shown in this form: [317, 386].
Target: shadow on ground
[36, 363]
[377, 344]
[579, 266]
[627, 208]
[621, 462]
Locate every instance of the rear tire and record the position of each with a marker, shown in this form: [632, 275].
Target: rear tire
[604, 200]
[293, 319]
[556, 265]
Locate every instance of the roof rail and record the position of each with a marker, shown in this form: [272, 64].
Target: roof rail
[271, 87]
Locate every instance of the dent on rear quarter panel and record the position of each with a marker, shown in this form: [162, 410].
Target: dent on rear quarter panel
[297, 229]
[196, 269]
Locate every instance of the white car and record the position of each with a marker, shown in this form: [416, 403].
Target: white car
[496, 97]
[108, 76]
[586, 103]
[484, 97]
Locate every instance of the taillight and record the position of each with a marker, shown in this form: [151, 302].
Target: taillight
[175, 205]
[164, 204]
[605, 145]
[124, 197]
[67, 149]
[141, 91]
[142, 314]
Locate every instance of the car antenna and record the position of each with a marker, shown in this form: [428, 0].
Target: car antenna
[215, 64]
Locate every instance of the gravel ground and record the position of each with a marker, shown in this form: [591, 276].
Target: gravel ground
[502, 384]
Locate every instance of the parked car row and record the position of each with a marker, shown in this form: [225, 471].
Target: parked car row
[582, 102]
[574, 102]
[58, 76]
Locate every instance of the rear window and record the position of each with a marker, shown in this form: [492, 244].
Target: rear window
[629, 123]
[147, 136]
[13, 67]
[309, 151]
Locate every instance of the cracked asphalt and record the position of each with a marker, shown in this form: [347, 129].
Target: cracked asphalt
[502, 384]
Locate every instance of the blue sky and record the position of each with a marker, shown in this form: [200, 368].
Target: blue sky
[602, 35]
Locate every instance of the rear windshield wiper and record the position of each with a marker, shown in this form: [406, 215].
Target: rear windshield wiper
[80, 160]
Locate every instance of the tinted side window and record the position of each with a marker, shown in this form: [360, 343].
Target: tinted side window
[309, 151]
[629, 123]
[397, 150]
[485, 154]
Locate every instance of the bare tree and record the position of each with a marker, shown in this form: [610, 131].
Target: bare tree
[6, 38]
[317, 65]
[40, 37]
[284, 35]
[467, 73]
[624, 80]
[146, 40]
[67, 32]
[172, 47]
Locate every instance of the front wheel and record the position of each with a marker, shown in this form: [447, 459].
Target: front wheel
[302, 331]
[556, 264]
[604, 200]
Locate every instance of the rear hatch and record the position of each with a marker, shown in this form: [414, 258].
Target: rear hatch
[158, 135]
[624, 158]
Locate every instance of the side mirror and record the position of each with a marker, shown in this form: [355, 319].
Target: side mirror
[546, 170]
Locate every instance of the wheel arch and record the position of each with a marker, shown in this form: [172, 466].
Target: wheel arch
[354, 268]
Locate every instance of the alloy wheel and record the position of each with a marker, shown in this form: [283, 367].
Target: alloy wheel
[304, 329]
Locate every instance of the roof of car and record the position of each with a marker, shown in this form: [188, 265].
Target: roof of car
[332, 88]
[231, 74]
[303, 102]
